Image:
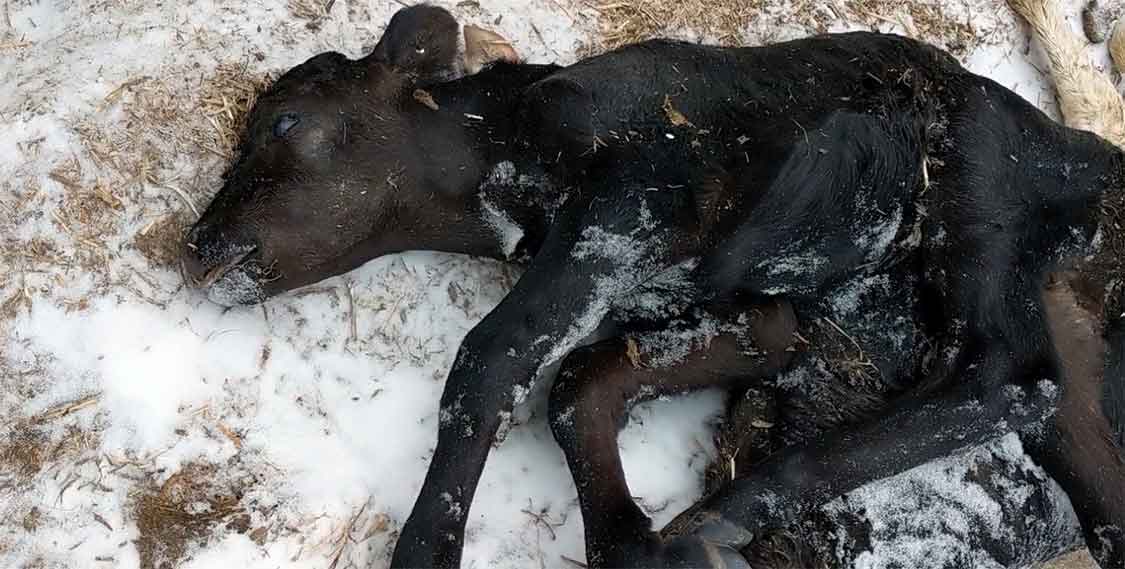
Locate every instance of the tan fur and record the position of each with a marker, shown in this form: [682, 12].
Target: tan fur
[1117, 46]
[1087, 99]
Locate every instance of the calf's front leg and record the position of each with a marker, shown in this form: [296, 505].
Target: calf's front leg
[597, 251]
[494, 369]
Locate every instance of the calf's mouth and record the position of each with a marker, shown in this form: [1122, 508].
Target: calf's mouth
[238, 279]
[212, 275]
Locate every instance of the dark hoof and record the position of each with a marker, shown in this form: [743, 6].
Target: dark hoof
[715, 529]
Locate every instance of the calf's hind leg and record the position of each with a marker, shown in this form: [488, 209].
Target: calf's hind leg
[1079, 447]
[597, 383]
[978, 400]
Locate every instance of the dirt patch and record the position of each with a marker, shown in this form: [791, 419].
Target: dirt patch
[32, 520]
[181, 513]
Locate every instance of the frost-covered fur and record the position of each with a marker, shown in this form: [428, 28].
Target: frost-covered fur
[988, 508]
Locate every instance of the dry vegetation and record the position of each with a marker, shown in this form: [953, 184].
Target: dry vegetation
[178, 114]
[183, 511]
[122, 175]
[312, 11]
[29, 448]
[23, 454]
[744, 438]
[159, 241]
[125, 174]
[629, 21]
[730, 22]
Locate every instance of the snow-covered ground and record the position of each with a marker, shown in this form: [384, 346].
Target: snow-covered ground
[142, 423]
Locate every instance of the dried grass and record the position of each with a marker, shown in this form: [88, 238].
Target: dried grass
[314, 12]
[923, 20]
[23, 256]
[730, 22]
[24, 452]
[28, 449]
[180, 512]
[629, 21]
[173, 115]
[132, 145]
[226, 97]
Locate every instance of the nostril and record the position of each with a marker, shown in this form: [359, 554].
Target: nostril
[194, 234]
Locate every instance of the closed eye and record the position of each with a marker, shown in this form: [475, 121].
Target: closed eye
[284, 124]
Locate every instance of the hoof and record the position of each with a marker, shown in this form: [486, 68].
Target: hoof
[714, 529]
[716, 546]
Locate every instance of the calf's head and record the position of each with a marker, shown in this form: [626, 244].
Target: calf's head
[335, 167]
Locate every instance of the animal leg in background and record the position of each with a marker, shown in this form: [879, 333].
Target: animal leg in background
[1117, 46]
[1087, 99]
[597, 383]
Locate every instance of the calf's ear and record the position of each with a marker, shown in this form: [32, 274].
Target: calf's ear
[421, 41]
[483, 47]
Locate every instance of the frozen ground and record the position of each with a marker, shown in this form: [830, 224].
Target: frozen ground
[143, 425]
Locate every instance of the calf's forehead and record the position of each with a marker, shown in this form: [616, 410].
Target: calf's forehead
[314, 89]
[316, 77]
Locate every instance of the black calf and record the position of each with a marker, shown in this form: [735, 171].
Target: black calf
[658, 180]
